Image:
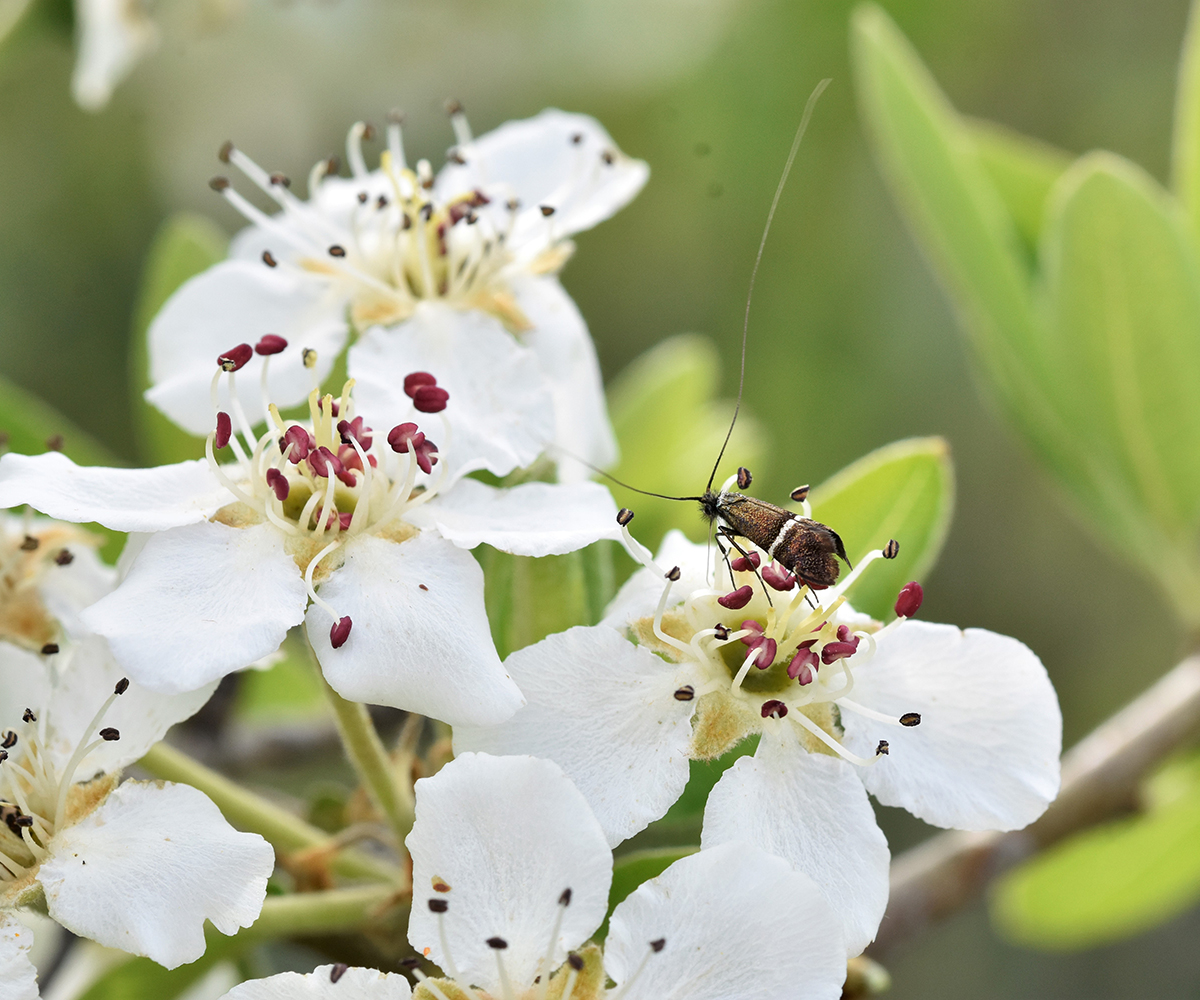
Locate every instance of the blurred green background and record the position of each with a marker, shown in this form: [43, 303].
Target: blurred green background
[852, 345]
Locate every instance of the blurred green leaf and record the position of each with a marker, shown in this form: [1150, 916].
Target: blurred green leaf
[185, 245]
[904, 491]
[1113, 881]
[289, 690]
[142, 979]
[1122, 309]
[1185, 143]
[1023, 171]
[670, 431]
[631, 870]
[527, 598]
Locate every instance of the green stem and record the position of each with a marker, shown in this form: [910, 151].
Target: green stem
[248, 811]
[318, 912]
[371, 762]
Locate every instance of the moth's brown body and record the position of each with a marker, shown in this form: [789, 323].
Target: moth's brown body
[808, 548]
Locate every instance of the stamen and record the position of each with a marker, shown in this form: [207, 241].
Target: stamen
[354, 156]
[655, 948]
[339, 969]
[396, 140]
[428, 983]
[737, 599]
[829, 741]
[870, 713]
[575, 966]
[855, 573]
[458, 120]
[498, 944]
[83, 750]
[545, 967]
[909, 600]
[339, 632]
[440, 906]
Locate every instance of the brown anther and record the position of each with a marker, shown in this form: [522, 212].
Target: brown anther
[54, 442]
[226, 150]
[574, 961]
[219, 183]
[910, 719]
[800, 494]
[381, 202]
[453, 107]
[3, 755]
[268, 258]
[110, 735]
[395, 117]
[64, 558]
[422, 586]
[659, 945]
[454, 156]
[332, 166]
[565, 898]
[362, 197]
[624, 516]
[546, 210]
[309, 356]
[438, 906]
[9, 741]
[576, 138]
[608, 158]
[721, 631]
[744, 479]
[673, 574]
[426, 212]
[685, 693]
[513, 204]
[498, 943]
[339, 969]
[122, 686]
[281, 180]
[337, 251]
[29, 544]
[368, 132]
[50, 649]
[440, 885]
[412, 962]
[891, 550]
[882, 749]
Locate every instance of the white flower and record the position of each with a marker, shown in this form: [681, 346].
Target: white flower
[112, 36]
[18, 977]
[961, 728]
[511, 876]
[136, 866]
[360, 523]
[453, 274]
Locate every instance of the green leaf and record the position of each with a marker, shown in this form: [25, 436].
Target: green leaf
[1113, 881]
[1185, 143]
[527, 599]
[140, 978]
[1023, 171]
[185, 245]
[670, 430]
[631, 870]
[903, 491]
[1122, 310]
[288, 691]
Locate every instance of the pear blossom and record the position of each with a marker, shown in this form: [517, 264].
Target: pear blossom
[454, 274]
[136, 865]
[511, 876]
[962, 728]
[361, 535]
[112, 36]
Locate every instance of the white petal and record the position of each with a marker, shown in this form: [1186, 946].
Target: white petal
[199, 602]
[18, 977]
[424, 650]
[508, 835]
[567, 357]
[145, 869]
[739, 924]
[235, 302]
[537, 161]
[605, 711]
[533, 519]
[113, 36]
[985, 756]
[811, 810]
[88, 675]
[353, 984]
[25, 682]
[500, 413]
[67, 590]
[122, 499]
[640, 594]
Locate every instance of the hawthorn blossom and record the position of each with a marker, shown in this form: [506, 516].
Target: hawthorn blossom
[454, 274]
[112, 35]
[363, 536]
[962, 728]
[136, 865]
[511, 876]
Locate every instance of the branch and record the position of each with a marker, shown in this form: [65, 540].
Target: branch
[1100, 779]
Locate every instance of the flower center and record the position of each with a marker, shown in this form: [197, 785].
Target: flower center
[34, 796]
[29, 550]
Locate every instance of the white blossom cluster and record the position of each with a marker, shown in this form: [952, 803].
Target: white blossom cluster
[356, 520]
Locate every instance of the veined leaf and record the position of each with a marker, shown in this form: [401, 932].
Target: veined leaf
[903, 491]
[1112, 881]
[185, 245]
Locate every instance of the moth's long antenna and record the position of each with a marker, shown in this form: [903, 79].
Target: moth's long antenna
[609, 475]
[787, 169]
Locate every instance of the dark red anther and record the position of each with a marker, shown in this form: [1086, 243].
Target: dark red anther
[745, 563]
[333, 406]
[909, 600]
[774, 709]
[354, 429]
[299, 441]
[324, 463]
[803, 665]
[344, 520]
[414, 380]
[755, 630]
[767, 648]
[430, 399]
[278, 482]
[224, 430]
[349, 457]
[271, 343]
[400, 436]
[778, 578]
[838, 650]
[236, 358]
[426, 453]
[340, 632]
[843, 633]
[737, 599]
